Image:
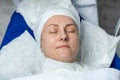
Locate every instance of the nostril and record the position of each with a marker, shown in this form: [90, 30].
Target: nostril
[64, 38]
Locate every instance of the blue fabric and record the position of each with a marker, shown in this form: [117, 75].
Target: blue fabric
[15, 28]
[18, 25]
[116, 62]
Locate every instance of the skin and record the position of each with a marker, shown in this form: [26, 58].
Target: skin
[60, 39]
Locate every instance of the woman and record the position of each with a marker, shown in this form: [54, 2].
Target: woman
[57, 32]
[56, 26]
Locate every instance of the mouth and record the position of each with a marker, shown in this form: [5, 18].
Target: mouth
[63, 46]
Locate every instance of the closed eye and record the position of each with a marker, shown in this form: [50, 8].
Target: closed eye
[53, 29]
[71, 28]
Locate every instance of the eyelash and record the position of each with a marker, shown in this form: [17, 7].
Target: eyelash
[54, 31]
[70, 31]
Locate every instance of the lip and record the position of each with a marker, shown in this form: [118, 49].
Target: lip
[63, 46]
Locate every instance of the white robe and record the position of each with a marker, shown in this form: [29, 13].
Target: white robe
[56, 70]
[51, 65]
[100, 74]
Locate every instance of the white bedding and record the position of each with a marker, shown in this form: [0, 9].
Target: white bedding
[100, 74]
[18, 60]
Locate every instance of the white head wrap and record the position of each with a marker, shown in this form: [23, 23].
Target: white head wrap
[37, 12]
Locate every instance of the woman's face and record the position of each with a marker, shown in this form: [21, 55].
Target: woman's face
[60, 39]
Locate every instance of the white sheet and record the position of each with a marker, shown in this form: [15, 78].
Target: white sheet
[97, 46]
[100, 74]
[20, 58]
[87, 9]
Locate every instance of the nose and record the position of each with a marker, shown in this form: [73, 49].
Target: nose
[63, 36]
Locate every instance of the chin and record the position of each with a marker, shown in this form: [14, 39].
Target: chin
[67, 61]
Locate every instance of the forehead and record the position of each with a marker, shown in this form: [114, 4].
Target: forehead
[60, 19]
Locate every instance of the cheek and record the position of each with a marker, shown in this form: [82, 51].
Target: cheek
[47, 44]
[75, 43]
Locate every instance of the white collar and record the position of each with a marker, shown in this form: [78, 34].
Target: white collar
[53, 65]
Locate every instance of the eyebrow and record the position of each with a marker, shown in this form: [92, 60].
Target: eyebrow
[52, 25]
[57, 25]
[69, 25]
